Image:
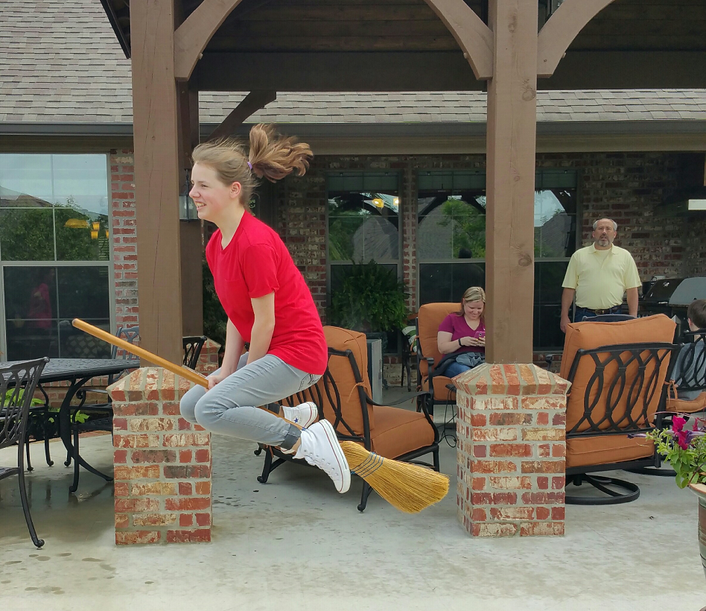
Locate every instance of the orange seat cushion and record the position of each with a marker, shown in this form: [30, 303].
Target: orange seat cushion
[687, 407]
[606, 450]
[429, 317]
[399, 431]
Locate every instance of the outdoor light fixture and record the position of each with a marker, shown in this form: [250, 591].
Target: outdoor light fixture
[76, 224]
[187, 208]
[94, 230]
[378, 203]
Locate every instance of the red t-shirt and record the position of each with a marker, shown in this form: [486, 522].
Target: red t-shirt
[254, 264]
[458, 327]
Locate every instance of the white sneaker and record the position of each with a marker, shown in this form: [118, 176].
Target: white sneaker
[320, 448]
[304, 414]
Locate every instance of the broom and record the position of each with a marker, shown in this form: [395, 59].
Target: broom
[409, 488]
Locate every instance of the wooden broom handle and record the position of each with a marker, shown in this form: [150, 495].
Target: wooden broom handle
[179, 370]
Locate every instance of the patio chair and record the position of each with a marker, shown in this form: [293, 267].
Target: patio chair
[618, 373]
[430, 377]
[99, 416]
[17, 385]
[343, 398]
[192, 350]
[692, 360]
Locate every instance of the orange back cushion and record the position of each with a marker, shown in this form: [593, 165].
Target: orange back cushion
[590, 335]
[339, 367]
[429, 318]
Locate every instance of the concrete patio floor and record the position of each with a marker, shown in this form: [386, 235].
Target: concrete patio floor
[295, 544]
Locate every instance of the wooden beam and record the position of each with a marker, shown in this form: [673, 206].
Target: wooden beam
[156, 176]
[439, 71]
[471, 34]
[392, 71]
[510, 171]
[252, 102]
[560, 30]
[193, 35]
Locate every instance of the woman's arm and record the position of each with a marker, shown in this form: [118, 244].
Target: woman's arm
[446, 345]
[263, 327]
[233, 350]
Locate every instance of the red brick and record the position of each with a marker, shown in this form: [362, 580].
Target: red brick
[480, 451]
[558, 483]
[185, 456]
[121, 489]
[478, 419]
[479, 515]
[478, 483]
[543, 513]
[142, 472]
[134, 505]
[543, 483]
[509, 419]
[203, 487]
[494, 466]
[510, 449]
[203, 519]
[187, 504]
[494, 435]
[153, 456]
[120, 457]
[558, 450]
[542, 529]
[122, 520]
[189, 536]
[185, 489]
[138, 537]
[154, 519]
[203, 455]
[544, 450]
[543, 418]
[120, 424]
[543, 466]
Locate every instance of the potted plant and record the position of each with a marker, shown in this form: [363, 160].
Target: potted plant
[684, 446]
[370, 299]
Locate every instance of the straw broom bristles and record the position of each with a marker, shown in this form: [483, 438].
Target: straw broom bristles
[408, 487]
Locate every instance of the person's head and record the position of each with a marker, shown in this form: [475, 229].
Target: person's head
[225, 175]
[604, 232]
[696, 313]
[473, 303]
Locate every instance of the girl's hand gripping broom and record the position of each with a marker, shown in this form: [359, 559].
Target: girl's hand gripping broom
[409, 488]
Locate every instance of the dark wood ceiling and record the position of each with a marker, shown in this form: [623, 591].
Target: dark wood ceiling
[387, 36]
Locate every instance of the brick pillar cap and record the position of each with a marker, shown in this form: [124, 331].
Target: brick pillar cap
[209, 343]
[150, 383]
[510, 379]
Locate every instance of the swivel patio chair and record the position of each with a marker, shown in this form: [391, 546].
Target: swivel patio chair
[692, 360]
[17, 385]
[618, 373]
[430, 376]
[343, 398]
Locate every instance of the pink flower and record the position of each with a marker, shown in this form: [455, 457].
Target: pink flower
[678, 424]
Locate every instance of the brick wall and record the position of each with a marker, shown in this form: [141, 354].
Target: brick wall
[122, 193]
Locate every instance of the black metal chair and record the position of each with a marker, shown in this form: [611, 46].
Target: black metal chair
[17, 385]
[192, 350]
[616, 391]
[343, 398]
[96, 417]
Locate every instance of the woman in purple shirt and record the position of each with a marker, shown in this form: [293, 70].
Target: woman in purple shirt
[463, 333]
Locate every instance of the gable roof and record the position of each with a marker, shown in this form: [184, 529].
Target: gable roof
[62, 65]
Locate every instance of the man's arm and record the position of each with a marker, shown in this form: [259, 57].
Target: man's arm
[567, 298]
[632, 301]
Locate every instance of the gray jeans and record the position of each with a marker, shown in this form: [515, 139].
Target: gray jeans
[231, 407]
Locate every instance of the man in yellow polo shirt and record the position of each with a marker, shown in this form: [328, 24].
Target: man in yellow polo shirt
[598, 276]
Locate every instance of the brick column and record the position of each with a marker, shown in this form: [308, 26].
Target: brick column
[511, 451]
[208, 359]
[162, 463]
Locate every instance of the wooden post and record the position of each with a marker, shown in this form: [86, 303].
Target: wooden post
[511, 148]
[156, 176]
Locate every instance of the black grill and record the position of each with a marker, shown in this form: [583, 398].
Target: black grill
[672, 296]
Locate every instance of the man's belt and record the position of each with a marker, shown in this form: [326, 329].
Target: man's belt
[613, 310]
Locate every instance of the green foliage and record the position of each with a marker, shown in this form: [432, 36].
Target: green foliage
[342, 228]
[214, 318]
[370, 299]
[468, 226]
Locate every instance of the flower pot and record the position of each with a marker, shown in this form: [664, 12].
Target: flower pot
[700, 491]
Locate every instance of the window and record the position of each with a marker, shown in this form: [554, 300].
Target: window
[54, 254]
[363, 222]
[451, 241]
[363, 226]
